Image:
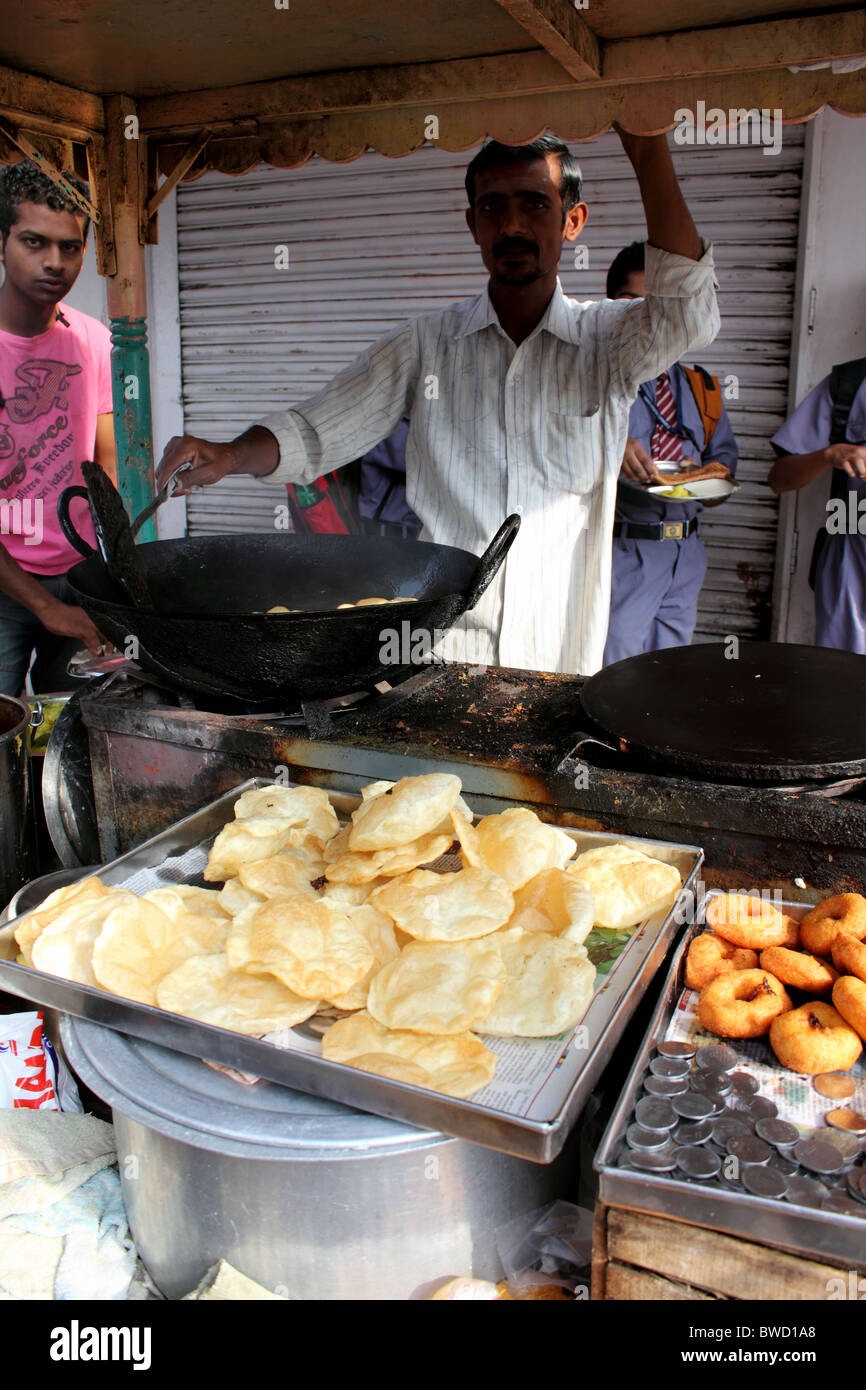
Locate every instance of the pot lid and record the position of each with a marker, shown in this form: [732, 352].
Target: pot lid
[185, 1099]
[67, 788]
[749, 711]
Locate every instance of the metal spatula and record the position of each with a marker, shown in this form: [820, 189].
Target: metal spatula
[167, 490]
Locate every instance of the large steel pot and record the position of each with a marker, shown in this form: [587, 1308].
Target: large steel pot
[308, 1197]
[18, 850]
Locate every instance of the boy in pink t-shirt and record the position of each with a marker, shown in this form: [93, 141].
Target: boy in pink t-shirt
[55, 383]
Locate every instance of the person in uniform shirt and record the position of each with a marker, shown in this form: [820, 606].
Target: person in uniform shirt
[517, 402]
[659, 561]
[382, 501]
[828, 430]
[55, 411]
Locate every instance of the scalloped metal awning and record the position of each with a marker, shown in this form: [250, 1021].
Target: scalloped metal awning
[281, 80]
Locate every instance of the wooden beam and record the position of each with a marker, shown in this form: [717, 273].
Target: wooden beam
[625, 65]
[558, 28]
[125, 157]
[97, 177]
[182, 167]
[578, 113]
[465, 79]
[47, 167]
[737, 48]
[39, 104]
[127, 307]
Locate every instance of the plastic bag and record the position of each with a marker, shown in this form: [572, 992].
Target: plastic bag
[547, 1251]
[32, 1076]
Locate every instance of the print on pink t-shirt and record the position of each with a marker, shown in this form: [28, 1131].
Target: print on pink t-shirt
[53, 386]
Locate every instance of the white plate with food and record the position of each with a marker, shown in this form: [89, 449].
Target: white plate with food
[703, 490]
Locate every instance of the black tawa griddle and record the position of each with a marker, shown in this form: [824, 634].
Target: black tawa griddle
[755, 711]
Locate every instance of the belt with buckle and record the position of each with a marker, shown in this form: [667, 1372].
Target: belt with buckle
[403, 530]
[661, 531]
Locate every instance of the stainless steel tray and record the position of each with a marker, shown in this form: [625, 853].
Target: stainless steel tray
[539, 1138]
[818, 1234]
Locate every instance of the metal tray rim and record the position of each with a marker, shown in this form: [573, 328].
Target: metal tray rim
[534, 1139]
[797, 1229]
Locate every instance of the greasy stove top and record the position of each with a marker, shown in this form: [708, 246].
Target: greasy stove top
[508, 736]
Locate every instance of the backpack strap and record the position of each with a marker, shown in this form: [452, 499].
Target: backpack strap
[325, 506]
[708, 398]
[845, 382]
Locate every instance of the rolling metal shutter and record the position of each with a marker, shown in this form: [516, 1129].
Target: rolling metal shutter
[379, 240]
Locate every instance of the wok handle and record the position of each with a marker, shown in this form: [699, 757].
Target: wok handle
[492, 558]
[66, 497]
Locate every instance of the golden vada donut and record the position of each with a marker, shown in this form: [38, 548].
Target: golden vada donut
[849, 997]
[799, 970]
[793, 937]
[742, 1003]
[815, 1038]
[846, 912]
[744, 919]
[849, 955]
[710, 956]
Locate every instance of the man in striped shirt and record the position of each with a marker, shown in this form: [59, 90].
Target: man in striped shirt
[518, 401]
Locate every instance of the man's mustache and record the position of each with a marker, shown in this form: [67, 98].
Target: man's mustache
[502, 248]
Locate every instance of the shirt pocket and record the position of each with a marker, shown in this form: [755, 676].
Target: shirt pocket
[572, 440]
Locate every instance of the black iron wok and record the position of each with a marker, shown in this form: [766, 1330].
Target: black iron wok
[203, 635]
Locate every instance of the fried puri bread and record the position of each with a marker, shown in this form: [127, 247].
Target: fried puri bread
[554, 901]
[457, 1064]
[312, 947]
[437, 988]
[628, 886]
[29, 927]
[207, 989]
[412, 808]
[446, 907]
[139, 944]
[517, 845]
[548, 989]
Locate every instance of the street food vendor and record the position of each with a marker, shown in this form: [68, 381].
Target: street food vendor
[828, 430]
[518, 401]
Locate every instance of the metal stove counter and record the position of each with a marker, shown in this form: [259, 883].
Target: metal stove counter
[505, 733]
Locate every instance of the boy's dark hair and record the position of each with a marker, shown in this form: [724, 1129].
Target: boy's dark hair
[24, 183]
[494, 156]
[627, 262]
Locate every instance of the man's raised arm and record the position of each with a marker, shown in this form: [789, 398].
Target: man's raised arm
[679, 312]
[669, 223]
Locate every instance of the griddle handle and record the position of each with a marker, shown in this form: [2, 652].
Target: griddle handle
[66, 497]
[574, 753]
[492, 558]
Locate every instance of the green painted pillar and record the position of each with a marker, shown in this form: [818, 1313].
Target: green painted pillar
[130, 383]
